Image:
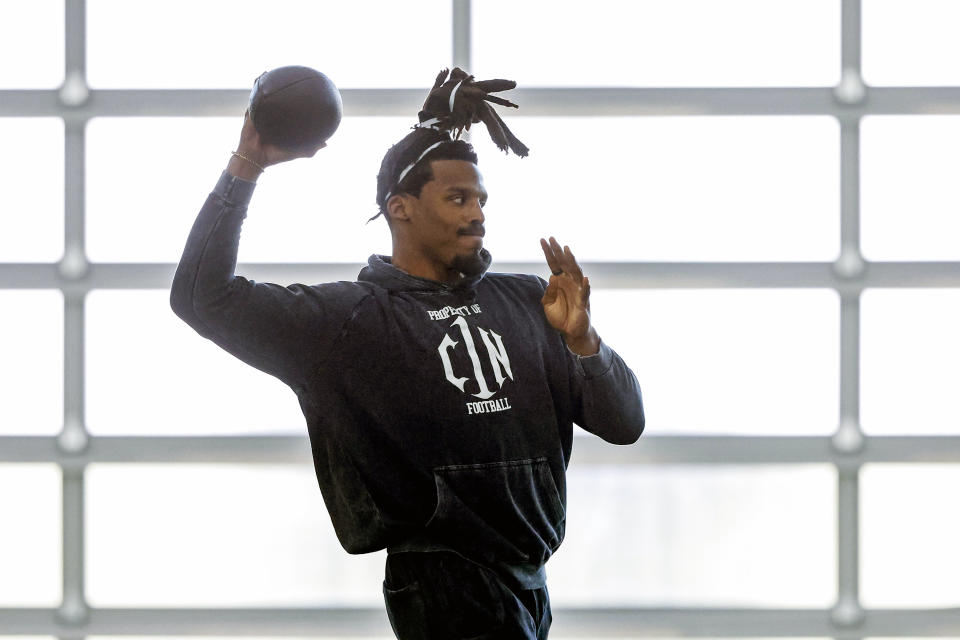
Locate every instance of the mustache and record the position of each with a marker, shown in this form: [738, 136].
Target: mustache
[472, 230]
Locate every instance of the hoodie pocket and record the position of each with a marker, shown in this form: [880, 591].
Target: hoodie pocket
[502, 512]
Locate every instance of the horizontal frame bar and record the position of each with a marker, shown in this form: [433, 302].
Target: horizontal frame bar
[568, 622]
[603, 275]
[587, 450]
[574, 101]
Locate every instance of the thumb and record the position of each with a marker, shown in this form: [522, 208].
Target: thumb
[550, 295]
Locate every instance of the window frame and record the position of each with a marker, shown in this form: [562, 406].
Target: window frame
[849, 275]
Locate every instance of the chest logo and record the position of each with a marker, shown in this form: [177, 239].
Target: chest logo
[497, 354]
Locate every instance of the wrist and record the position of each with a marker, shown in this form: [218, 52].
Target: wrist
[585, 345]
[244, 167]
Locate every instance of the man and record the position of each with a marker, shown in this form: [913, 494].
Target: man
[439, 398]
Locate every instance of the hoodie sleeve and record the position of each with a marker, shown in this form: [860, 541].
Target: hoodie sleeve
[609, 403]
[274, 328]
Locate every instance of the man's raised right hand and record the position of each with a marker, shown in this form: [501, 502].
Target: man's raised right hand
[253, 156]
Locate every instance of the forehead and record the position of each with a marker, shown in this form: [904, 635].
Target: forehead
[459, 174]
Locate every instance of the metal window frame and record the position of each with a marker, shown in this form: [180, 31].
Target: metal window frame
[847, 449]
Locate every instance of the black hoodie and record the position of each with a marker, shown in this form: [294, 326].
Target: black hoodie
[439, 416]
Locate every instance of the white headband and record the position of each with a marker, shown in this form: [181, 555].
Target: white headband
[453, 94]
[403, 174]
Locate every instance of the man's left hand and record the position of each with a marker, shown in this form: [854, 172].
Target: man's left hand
[566, 301]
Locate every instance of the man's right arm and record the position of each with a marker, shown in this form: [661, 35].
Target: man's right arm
[271, 327]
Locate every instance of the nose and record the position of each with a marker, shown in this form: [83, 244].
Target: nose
[475, 213]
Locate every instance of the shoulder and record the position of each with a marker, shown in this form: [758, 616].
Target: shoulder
[340, 289]
[518, 281]
[332, 297]
[516, 285]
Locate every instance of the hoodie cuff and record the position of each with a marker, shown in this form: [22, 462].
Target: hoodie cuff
[596, 365]
[233, 190]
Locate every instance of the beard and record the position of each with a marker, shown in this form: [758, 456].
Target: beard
[471, 264]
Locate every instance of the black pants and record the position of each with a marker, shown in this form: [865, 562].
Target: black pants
[440, 595]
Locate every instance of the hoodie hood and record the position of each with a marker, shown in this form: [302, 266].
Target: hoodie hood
[380, 271]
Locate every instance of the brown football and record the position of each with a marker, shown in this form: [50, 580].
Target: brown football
[295, 107]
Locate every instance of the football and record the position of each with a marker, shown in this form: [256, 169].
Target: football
[295, 107]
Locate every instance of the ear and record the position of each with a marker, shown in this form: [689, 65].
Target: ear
[400, 206]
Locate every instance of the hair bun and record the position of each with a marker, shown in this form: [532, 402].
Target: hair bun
[457, 101]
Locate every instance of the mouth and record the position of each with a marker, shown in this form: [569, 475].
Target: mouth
[474, 241]
[472, 236]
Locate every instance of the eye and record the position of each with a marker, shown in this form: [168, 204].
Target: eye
[483, 203]
[457, 199]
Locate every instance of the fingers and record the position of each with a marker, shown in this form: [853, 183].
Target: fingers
[552, 260]
[312, 151]
[571, 266]
[561, 259]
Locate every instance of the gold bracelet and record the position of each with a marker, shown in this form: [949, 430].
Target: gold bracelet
[243, 157]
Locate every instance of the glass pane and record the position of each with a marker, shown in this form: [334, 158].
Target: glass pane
[670, 188]
[909, 529]
[183, 384]
[225, 528]
[758, 362]
[910, 42]
[30, 539]
[128, 43]
[31, 217]
[908, 197]
[31, 362]
[305, 211]
[635, 537]
[32, 45]
[909, 350]
[678, 43]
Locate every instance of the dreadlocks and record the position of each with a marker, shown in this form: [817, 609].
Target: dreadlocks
[454, 103]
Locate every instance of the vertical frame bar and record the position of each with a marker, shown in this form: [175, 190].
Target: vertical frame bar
[76, 37]
[849, 436]
[851, 38]
[74, 438]
[462, 45]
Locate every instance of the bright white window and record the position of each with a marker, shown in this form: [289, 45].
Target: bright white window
[644, 554]
[636, 537]
[703, 359]
[308, 210]
[148, 373]
[910, 42]
[30, 540]
[672, 43]
[909, 198]
[666, 188]
[31, 214]
[909, 528]
[31, 46]
[31, 362]
[757, 362]
[909, 355]
[218, 44]
[218, 535]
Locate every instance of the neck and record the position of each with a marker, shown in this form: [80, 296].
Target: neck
[417, 264]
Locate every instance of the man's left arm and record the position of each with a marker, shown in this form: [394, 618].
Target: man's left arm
[610, 403]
